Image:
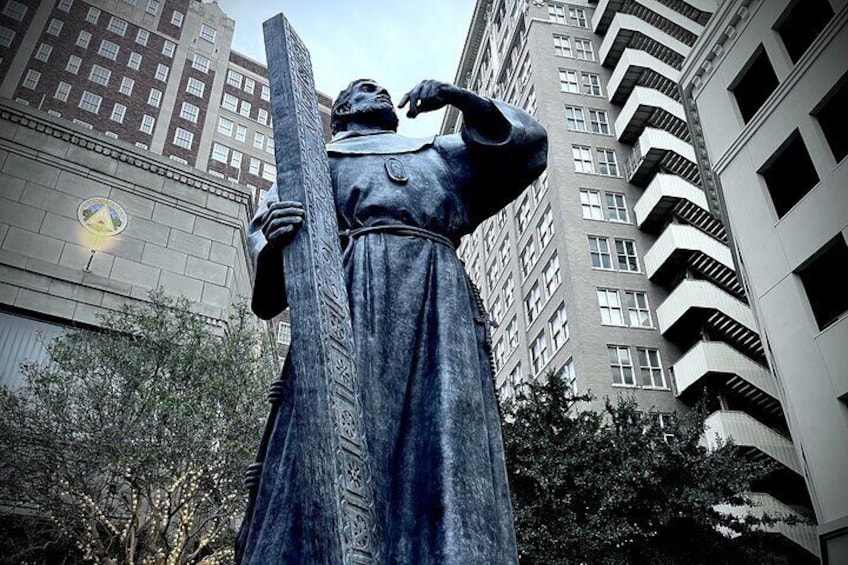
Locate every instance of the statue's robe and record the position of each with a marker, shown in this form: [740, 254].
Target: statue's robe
[428, 398]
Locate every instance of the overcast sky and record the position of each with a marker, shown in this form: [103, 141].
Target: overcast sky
[396, 42]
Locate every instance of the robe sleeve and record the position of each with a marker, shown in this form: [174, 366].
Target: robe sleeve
[269, 288]
[492, 172]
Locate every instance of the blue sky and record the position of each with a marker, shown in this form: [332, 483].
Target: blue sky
[396, 42]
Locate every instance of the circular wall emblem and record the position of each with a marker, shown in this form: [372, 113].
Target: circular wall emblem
[102, 216]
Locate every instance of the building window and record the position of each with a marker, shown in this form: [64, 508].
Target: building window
[234, 78]
[562, 46]
[83, 39]
[90, 102]
[99, 75]
[118, 26]
[147, 123]
[638, 313]
[512, 335]
[556, 13]
[499, 354]
[154, 98]
[574, 119]
[127, 85]
[832, 116]
[545, 228]
[235, 159]
[568, 81]
[229, 102]
[6, 36]
[540, 185]
[539, 355]
[269, 172]
[551, 275]
[528, 257]
[503, 252]
[590, 204]
[599, 252]
[254, 166]
[93, 15]
[189, 112]
[134, 62]
[108, 50]
[625, 251]
[31, 79]
[650, 368]
[522, 216]
[62, 91]
[496, 309]
[617, 208]
[558, 325]
[168, 49]
[183, 138]
[621, 365]
[225, 126]
[789, 174]
[195, 87]
[754, 84]
[249, 85]
[509, 291]
[200, 63]
[607, 163]
[610, 305]
[569, 373]
[118, 113]
[74, 64]
[177, 18]
[584, 50]
[591, 84]
[161, 72]
[262, 116]
[220, 152]
[825, 288]
[582, 156]
[266, 93]
[533, 303]
[241, 133]
[142, 36]
[43, 52]
[244, 109]
[65, 5]
[801, 23]
[207, 32]
[55, 27]
[577, 17]
[258, 140]
[598, 122]
[152, 7]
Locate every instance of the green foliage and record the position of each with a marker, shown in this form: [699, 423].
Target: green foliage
[131, 442]
[613, 487]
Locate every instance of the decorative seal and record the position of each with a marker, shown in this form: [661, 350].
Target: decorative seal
[396, 170]
[102, 216]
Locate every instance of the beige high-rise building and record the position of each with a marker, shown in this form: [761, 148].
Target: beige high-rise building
[612, 266]
[767, 89]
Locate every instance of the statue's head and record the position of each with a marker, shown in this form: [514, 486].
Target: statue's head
[364, 102]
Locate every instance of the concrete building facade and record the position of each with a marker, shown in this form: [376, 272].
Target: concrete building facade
[613, 266]
[766, 90]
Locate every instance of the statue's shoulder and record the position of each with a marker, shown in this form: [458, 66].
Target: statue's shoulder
[379, 144]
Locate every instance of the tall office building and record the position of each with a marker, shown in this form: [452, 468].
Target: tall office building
[612, 266]
[766, 87]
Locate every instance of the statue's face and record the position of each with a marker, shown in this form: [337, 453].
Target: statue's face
[369, 96]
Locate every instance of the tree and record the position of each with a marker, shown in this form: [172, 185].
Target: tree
[130, 443]
[616, 487]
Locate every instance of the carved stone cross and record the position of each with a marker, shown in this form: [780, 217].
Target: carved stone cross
[337, 477]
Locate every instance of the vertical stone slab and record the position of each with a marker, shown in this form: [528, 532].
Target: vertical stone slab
[323, 355]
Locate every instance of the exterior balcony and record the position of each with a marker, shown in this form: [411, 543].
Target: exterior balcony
[653, 147]
[641, 105]
[698, 305]
[763, 503]
[625, 28]
[679, 246]
[749, 433]
[629, 70]
[715, 362]
[604, 12]
[662, 195]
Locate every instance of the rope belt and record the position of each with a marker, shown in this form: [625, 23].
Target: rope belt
[395, 230]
